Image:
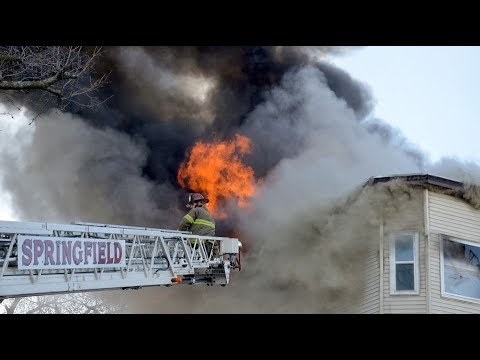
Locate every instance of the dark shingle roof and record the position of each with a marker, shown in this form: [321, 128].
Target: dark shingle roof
[420, 179]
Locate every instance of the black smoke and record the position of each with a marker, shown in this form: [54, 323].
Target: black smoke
[150, 97]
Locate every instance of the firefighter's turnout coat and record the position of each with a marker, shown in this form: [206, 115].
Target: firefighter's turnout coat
[199, 221]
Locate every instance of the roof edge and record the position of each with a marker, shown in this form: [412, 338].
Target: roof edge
[419, 179]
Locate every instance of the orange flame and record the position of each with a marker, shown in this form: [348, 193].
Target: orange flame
[216, 170]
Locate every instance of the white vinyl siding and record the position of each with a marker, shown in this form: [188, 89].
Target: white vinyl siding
[456, 218]
[370, 301]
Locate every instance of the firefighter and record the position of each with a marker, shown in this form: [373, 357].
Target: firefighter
[199, 220]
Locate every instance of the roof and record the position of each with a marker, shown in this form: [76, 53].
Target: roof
[420, 179]
[466, 191]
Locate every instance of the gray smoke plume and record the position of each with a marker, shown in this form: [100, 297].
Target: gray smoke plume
[467, 172]
[314, 144]
[62, 169]
[170, 95]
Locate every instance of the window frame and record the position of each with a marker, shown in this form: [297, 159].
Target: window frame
[393, 263]
[443, 293]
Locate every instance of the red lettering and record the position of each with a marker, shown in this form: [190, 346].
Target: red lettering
[49, 247]
[67, 252]
[37, 250]
[118, 252]
[88, 250]
[27, 252]
[109, 259]
[58, 251]
[77, 256]
[94, 252]
[101, 252]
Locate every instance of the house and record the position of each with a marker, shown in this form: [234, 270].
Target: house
[427, 256]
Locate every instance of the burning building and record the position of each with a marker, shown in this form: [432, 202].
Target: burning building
[426, 257]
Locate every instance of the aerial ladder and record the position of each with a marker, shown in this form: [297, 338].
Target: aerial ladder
[48, 258]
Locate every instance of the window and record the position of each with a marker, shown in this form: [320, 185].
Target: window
[460, 268]
[404, 263]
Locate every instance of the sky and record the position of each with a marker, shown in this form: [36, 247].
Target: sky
[431, 94]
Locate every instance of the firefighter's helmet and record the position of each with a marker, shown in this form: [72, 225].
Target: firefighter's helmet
[196, 197]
